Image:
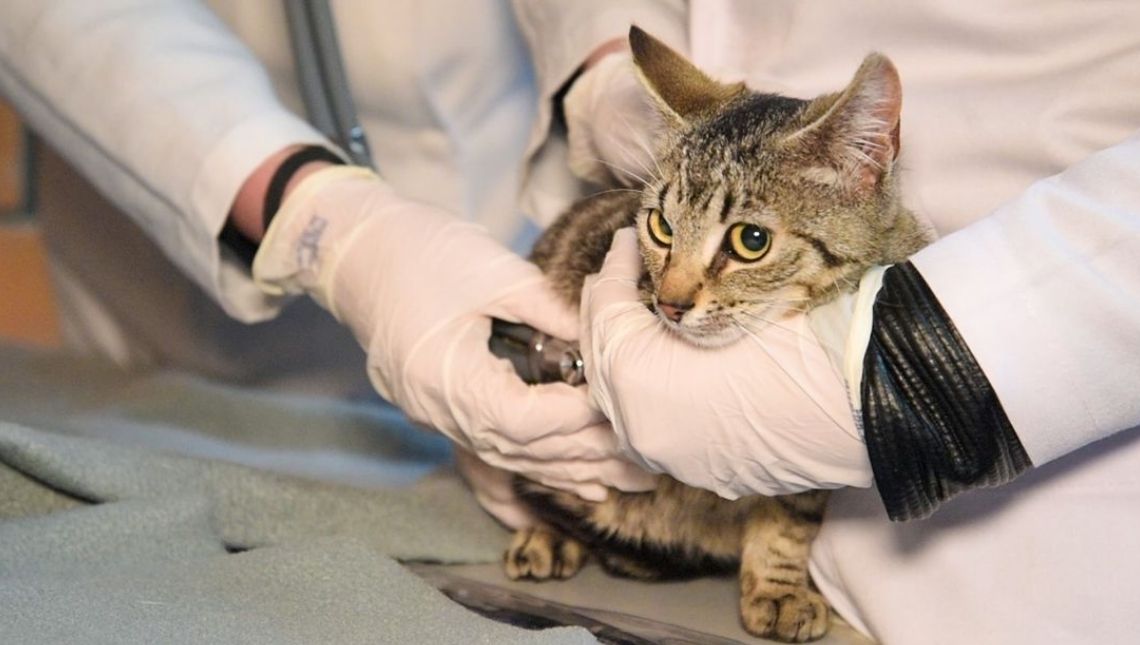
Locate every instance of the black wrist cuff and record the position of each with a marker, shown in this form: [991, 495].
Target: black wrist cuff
[244, 248]
[233, 239]
[933, 424]
[276, 191]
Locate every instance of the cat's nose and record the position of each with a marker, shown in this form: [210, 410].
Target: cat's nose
[674, 310]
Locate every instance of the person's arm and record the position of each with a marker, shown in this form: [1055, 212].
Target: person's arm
[1005, 345]
[163, 109]
[172, 117]
[563, 38]
[1043, 297]
[248, 212]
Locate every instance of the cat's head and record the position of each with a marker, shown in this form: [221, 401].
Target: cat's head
[762, 204]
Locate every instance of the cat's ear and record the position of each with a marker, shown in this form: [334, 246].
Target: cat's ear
[682, 92]
[856, 132]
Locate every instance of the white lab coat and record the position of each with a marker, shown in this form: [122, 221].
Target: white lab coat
[1039, 274]
[166, 106]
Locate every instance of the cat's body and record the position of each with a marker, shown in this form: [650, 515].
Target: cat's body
[798, 201]
[676, 530]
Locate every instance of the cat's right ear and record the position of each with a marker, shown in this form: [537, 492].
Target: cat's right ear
[855, 133]
[682, 92]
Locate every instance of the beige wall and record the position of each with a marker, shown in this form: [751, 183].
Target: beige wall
[27, 305]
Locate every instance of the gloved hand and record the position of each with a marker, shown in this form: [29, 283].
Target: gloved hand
[492, 489]
[769, 414]
[418, 287]
[610, 123]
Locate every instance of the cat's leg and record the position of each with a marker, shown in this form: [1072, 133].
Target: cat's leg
[541, 553]
[777, 599]
[627, 567]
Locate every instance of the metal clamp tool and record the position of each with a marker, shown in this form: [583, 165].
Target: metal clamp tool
[537, 357]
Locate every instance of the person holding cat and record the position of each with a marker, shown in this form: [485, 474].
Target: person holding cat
[1002, 356]
[178, 122]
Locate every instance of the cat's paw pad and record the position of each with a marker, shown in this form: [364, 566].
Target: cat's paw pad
[541, 554]
[791, 616]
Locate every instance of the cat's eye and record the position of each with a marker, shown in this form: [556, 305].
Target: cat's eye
[659, 229]
[747, 242]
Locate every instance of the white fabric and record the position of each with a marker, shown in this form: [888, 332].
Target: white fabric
[1048, 559]
[686, 418]
[418, 286]
[843, 328]
[859, 336]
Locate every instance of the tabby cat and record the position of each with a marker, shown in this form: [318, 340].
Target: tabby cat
[759, 205]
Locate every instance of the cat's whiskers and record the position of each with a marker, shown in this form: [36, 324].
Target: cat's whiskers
[619, 190]
[850, 283]
[797, 305]
[655, 176]
[769, 322]
[645, 147]
[626, 171]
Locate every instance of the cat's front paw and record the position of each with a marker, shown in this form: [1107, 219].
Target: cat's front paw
[540, 553]
[792, 616]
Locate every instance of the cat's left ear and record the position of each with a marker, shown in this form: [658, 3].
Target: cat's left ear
[682, 92]
[856, 132]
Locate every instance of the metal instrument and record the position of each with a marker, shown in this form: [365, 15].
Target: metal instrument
[537, 357]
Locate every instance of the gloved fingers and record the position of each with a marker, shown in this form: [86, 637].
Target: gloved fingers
[798, 363]
[624, 475]
[590, 491]
[615, 284]
[623, 260]
[558, 474]
[588, 479]
[592, 443]
[493, 490]
[495, 403]
[453, 382]
[610, 468]
[535, 303]
[595, 482]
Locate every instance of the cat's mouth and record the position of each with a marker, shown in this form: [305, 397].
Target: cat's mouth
[704, 330]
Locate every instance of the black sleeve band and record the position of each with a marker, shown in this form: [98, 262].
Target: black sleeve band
[933, 424]
[276, 191]
[233, 239]
[244, 248]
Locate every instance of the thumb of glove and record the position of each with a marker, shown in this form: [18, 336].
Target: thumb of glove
[621, 270]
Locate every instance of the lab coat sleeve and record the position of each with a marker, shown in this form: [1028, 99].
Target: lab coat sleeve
[162, 108]
[561, 35]
[1046, 294]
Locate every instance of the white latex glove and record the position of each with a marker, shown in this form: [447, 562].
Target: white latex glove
[418, 287]
[768, 414]
[610, 124]
[492, 489]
